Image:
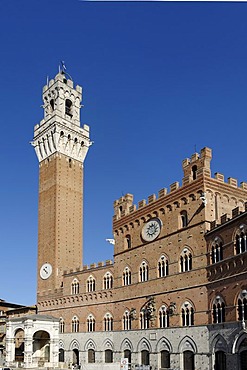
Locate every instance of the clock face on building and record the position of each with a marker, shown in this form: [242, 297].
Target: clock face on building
[45, 271]
[151, 229]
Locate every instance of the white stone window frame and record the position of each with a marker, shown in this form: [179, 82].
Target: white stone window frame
[143, 272]
[126, 276]
[162, 266]
[91, 284]
[108, 281]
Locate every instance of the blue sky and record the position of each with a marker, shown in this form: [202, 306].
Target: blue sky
[160, 79]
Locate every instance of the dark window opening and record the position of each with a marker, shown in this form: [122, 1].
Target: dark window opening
[165, 359]
[108, 356]
[68, 107]
[145, 357]
[220, 360]
[194, 172]
[52, 104]
[91, 356]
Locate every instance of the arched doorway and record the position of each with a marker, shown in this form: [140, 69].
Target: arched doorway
[41, 347]
[61, 355]
[75, 356]
[19, 345]
[189, 360]
[220, 360]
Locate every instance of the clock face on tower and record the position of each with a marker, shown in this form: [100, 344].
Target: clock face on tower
[45, 271]
[151, 229]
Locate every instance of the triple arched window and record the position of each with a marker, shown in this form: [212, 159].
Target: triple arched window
[242, 305]
[75, 287]
[75, 324]
[126, 276]
[187, 314]
[108, 281]
[91, 284]
[163, 317]
[143, 272]
[144, 319]
[217, 250]
[126, 320]
[241, 240]
[90, 323]
[218, 310]
[108, 322]
[185, 260]
[163, 267]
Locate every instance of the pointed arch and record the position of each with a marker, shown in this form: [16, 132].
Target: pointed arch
[108, 344]
[187, 344]
[126, 344]
[143, 345]
[238, 342]
[90, 344]
[219, 344]
[164, 345]
[74, 344]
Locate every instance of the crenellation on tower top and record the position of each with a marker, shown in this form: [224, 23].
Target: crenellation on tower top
[60, 130]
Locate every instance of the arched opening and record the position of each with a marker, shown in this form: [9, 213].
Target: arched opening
[194, 172]
[220, 360]
[91, 356]
[68, 107]
[75, 356]
[61, 355]
[19, 345]
[127, 354]
[108, 356]
[145, 357]
[41, 347]
[52, 104]
[189, 360]
[165, 359]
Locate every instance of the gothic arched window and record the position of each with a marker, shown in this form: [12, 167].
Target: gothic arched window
[185, 260]
[162, 267]
[75, 287]
[241, 240]
[217, 250]
[61, 325]
[90, 323]
[75, 324]
[126, 320]
[163, 317]
[108, 281]
[218, 311]
[108, 322]
[144, 319]
[144, 271]
[242, 305]
[126, 276]
[91, 284]
[187, 314]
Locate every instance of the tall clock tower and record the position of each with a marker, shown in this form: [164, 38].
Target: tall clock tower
[61, 145]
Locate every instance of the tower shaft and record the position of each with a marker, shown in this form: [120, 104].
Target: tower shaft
[61, 146]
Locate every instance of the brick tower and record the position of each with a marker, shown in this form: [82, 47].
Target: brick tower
[61, 146]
